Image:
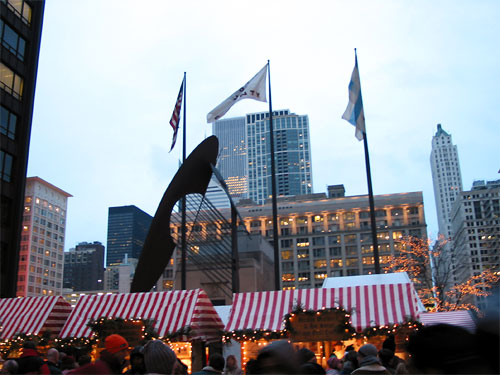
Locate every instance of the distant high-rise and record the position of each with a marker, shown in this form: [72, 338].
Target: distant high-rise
[232, 160]
[446, 178]
[292, 154]
[20, 32]
[476, 227]
[42, 241]
[84, 267]
[128, 227]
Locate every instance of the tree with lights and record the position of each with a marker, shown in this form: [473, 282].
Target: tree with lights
[431, 271]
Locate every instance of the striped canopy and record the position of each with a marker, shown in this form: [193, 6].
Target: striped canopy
[370, 305]
[460, 318]
[171, 311]
[32, 315]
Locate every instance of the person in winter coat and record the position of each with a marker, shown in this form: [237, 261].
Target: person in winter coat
[215, 365]
[53, 360]
[369, 362]
[112, 359]
[232, 367]
[137, 365]
[30, 361]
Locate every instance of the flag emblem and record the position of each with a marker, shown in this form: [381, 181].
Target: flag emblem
[253, 89]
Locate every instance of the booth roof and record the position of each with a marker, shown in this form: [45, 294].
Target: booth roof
[32, 315]
[460, 318]
[171, 312]
[370, 305]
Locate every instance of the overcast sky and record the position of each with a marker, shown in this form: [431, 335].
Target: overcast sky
[109, 73]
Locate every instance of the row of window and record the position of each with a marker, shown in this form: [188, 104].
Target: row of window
[20, 8]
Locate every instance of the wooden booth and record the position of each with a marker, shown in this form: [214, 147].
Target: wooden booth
[38, 319]
[183, 319]
[324, 320]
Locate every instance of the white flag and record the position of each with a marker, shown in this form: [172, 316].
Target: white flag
[253, 89]
[354, 112]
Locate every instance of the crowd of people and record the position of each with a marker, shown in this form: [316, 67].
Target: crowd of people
[440, 349]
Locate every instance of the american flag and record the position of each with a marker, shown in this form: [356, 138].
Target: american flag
[176, 115]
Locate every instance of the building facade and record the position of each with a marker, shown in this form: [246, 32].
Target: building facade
[292, 155]
[20, 33]
[446, 178]
[128, 228]
[42, 242]
[476, 226]
[322, 237]
[84, 267]
[232, 158]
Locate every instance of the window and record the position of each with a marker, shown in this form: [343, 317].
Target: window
[286, 243]
[336, 263]
[332, 240]
[350, 238]
[319, 253]
[351, 251]
[320, 263]
[11, 82]
[8, 123]
[6, 161]
[318, 241]
[397, 212]
[21, 9]
[12, 41]
[349, 216]
[286, 254]
[335, 251]
[302, 242]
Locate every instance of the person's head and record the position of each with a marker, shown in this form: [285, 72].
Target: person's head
[137, 360]
[367, 354]
[278, 357]
[334, 363]
[68, 363]
[9, 367]
[84, 359]
[53, 355]
[385, 356]
[159, 358]
[389, 343]
[117, 345]
[216, 361]
[231, 362]
[443, 349]
[305, 355]
[29, 345]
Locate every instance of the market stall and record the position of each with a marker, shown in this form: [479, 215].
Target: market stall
[32, 315]
[460, 318]
[36, 319]
[325, 320]
[180, 318]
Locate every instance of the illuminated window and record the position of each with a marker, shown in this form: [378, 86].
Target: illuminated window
[321, 263]
[288, 277]
[21, 9]
[11, 82]
[286, 254]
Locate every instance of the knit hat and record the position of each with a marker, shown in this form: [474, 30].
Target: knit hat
[114, 343]
[368, 350]
[159, 358]
[389, 343]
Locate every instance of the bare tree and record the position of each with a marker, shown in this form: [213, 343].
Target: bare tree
[431, 271]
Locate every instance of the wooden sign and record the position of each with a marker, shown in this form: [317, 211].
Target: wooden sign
[321, 326]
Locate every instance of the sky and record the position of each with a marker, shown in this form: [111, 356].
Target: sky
[109, 73]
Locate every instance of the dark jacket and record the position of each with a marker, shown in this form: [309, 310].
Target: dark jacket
[371, 369]
[107, 364]
[53, 368]
[30, 361]
[207, 370]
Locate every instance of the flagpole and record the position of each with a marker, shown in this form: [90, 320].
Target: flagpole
[273, 189]
[183, 213]
[376, 259]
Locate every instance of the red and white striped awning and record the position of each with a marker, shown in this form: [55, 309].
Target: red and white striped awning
[370, 306]
[171, 312]
[32, 315]
[461, 318]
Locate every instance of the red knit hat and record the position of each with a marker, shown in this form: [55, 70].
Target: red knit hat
[114, 343]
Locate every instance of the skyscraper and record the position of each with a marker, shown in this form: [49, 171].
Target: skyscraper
[42, 241]
[292, 155]
[84, 267]
[128, 227]
[20, 32]
[475, 217]
[446, 178]
[232, 161]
